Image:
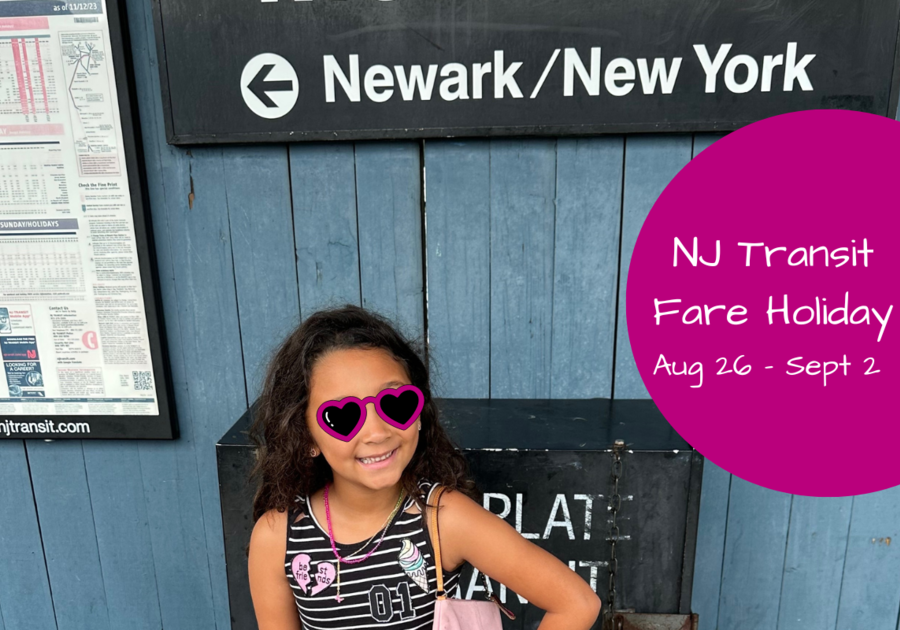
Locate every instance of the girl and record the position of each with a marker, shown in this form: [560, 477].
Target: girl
[349, 449]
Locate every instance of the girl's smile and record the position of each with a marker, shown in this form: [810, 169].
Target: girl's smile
[378, 461]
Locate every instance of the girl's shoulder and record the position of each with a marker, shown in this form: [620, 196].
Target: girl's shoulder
[267, 538]
[272, 519]
[427, 489]
[455, 505]
[456, 514]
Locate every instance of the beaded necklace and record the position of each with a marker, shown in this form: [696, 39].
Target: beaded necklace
[347, 560]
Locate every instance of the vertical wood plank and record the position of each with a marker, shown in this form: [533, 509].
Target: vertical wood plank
[754, 557]
[585, 269]
[175, 516]
[323, 188]
[814, 562]
[705, 140]
[650, 164]
[870, 590]
[710, 544]
[207, 311]
[67, 530]
[713, 507]
[257, 180]
[458, 265]
[523, 213]
[389, 214]
[186, 575]
[114, 479]
[180, 482]
[25, 602]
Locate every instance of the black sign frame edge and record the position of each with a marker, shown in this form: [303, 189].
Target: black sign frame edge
[445, 132]
[117, 427]
[894, 95]
[162, 61]
[451, 133]
[691, 527]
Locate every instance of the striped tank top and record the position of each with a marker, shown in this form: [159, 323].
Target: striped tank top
[393, 588]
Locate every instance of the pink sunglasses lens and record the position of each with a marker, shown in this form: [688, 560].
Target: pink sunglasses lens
[341, 421]
[402, 408]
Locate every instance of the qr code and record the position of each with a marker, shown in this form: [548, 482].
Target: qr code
[143, 381]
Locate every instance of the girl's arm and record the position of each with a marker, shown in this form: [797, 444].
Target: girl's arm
[273, 599]
[491, 545]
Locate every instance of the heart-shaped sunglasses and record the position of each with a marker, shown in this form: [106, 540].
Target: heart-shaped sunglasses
[344, 418]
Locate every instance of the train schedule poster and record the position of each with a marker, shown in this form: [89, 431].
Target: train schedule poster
[79, 339]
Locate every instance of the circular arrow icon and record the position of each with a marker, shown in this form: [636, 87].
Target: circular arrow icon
[269, 85]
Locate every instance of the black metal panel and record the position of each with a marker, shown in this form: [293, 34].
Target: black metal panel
[531, 452]
[589, 424]
[234, 464]
[651, 561]
[206, 44]
[690, 532]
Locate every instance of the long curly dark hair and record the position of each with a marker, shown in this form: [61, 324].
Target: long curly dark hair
[284, 468]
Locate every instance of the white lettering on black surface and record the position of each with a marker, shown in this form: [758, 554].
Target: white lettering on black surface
[740, 74]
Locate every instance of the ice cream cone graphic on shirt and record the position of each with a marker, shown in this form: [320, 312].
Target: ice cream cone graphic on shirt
[412, 562]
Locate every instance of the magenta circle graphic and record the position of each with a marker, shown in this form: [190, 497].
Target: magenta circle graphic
[762, 303]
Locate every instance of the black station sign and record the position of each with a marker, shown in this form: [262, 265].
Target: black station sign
[290, 70]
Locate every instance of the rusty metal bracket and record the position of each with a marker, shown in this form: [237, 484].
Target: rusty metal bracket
[640, 621]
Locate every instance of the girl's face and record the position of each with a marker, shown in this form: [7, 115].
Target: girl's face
[361, 373]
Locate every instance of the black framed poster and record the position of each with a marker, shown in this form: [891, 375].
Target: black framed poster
[80, 334]
[287, 70]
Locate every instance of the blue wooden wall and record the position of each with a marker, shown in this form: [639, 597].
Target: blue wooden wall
[515, 272]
